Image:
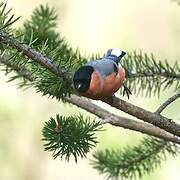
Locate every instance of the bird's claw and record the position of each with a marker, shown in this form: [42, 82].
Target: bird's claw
[110, 99]
[126, 91]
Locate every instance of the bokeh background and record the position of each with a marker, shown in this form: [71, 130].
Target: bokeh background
[152, 26]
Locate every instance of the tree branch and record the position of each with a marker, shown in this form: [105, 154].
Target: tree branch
[105, 115]
[168, 102]
[147, 116]
[121, 121]
[162, 74]
[36, 56]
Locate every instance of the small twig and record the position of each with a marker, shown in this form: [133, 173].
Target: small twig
[168, 102]
[21, 71]
[150, 74]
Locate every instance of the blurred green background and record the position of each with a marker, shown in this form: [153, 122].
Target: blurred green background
[92, 26]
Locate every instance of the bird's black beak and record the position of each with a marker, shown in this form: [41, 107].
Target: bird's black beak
[78, 86]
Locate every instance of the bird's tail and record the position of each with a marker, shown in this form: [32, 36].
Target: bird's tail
[115, 54]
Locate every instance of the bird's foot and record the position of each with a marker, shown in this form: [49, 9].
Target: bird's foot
[110, 99]
[126, 91]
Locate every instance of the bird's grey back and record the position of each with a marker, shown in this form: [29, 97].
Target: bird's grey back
[104, 66]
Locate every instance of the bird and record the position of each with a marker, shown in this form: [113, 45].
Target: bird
[99, 79]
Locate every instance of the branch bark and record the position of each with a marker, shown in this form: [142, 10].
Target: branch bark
[168, 102]
[121, 121]
[162, 74]
[147, 116]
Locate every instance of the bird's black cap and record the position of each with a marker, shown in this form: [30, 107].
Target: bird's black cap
[82, 78]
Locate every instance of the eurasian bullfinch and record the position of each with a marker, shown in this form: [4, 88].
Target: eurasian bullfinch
[100, 79]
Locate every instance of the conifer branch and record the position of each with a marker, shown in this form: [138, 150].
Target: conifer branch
[147, 116]
[46, 66]
[44, 71]
[133, 162]
[34, 55]
[141, 65]
[70, 136]
[20, 70]
[120, 121]
[105, 115]
[148, 76]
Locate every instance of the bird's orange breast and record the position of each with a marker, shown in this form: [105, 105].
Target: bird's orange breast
[113, 82]
[104, 88]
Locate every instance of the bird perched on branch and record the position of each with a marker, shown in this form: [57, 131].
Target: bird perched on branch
[100, 79]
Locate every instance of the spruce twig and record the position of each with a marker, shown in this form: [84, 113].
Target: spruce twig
[133, 162]
[148, 76]
[70, 136]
